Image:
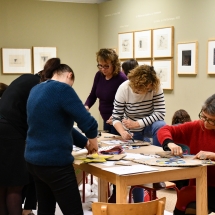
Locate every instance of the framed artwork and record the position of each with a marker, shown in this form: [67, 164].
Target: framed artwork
[41, 55]
[164, 70]
[16, 61]
[142, 62]
[211, 57]
[163, 42]
[187, 58]
[142, 44]
[125, 45]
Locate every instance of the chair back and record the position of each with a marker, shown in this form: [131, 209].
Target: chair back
[155, 207]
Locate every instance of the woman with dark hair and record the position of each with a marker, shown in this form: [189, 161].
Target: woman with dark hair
[3, 87]
[180, 116]
[105, 85]
[52, 108]
[128, 65]
[199, 135]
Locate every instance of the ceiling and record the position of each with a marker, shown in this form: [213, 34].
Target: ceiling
[80, 1]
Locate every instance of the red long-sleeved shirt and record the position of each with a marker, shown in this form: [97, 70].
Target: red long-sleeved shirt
[194, 135]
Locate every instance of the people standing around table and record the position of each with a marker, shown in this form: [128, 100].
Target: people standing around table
[105, 85]
[52, 108]
[13, 131]
[199, 135]
[139, 109]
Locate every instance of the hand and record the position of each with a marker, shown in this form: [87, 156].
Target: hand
[203, 155]
[126, 136]
[175, 149]
[110, 120]
[92, 146]
[87, 108]
[129, 124]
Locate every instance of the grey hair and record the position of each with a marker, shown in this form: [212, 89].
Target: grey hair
[209, 105]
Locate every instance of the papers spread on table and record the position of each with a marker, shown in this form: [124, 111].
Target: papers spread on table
[125, 170]
[113, 142]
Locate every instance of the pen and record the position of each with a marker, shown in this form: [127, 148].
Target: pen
[131, 135]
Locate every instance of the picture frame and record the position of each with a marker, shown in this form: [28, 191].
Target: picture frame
[187, 59]
[164, 70]
[163, 42]
[143, 44]
[41, 55]
[142, 62]
[16, 61]
[211, 57]
[125, 45]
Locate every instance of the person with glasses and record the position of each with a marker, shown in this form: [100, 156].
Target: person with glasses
[106, 82]
[139, 110]
[199, 135]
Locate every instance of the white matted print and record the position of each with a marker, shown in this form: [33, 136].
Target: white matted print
[144, 62]
[41, 55]
[211, 57]
[187, 58]
[163, 42]
[16, 61]
[142, 44]
[125, 45]
[164, 70]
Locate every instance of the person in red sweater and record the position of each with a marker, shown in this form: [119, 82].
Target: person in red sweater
[199, 135]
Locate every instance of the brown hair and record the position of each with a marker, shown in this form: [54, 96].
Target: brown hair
[128, 65]
[53, 66]
[142, 76]
[180, 116]
[3, 87]
[109, 54]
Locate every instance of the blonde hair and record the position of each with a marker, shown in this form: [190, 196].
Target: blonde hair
[141, 76]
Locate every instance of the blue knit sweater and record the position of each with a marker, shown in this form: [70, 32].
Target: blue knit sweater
[52, 109]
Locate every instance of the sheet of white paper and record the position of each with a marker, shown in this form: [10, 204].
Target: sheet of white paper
[108, 163]
[124, 170]
[139, 156]
[113, 142]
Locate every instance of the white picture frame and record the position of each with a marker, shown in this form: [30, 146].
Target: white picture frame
[125, 45]
[16, 61]
[41, 55]
[187, 59]
[163, 42]
[164, 70]
[143, 44]
[211, 57]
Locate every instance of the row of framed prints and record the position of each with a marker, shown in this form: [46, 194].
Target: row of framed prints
[19, 61]
[152, 43]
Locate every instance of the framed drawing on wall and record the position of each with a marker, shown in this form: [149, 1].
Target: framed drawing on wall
[41, 55]
[164, 70]
[16, 61]
[211, 57]
[142, 44]
[146, 62]
[187, 58]
[163, 42]
[125, 45]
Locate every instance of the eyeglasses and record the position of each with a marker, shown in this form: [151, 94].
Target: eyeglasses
[204, 118]
[103, 67]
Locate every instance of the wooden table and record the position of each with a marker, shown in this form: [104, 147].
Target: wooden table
[164, 174]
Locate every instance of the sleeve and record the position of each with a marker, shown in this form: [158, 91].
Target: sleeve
[75, 108]
[92, 97]
[79, 139]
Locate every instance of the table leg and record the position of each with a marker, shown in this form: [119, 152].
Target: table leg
[102, 190]
[121, 190]
[201, 193]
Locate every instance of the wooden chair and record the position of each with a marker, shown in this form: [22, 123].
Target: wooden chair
[155, 207]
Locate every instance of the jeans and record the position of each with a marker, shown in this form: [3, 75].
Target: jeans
[56, 184]
[110, 128]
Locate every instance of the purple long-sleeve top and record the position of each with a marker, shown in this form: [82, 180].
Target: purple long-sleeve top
[105, 91]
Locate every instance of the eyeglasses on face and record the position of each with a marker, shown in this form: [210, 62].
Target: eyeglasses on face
[204, 118]
[103, 67]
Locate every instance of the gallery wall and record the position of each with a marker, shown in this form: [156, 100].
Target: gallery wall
[192, 21]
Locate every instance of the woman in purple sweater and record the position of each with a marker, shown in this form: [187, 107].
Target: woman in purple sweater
[105, 85]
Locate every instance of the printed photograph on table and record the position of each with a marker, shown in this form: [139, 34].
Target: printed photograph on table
[146, 62]
[16, 61]
[41, 55]
[142, 44]
[163, 42]
[187, 58]
[125, 45]
[211, 57]
[164, 70]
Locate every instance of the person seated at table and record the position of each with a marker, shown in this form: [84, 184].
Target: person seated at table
[139, 109]
[199, 135]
